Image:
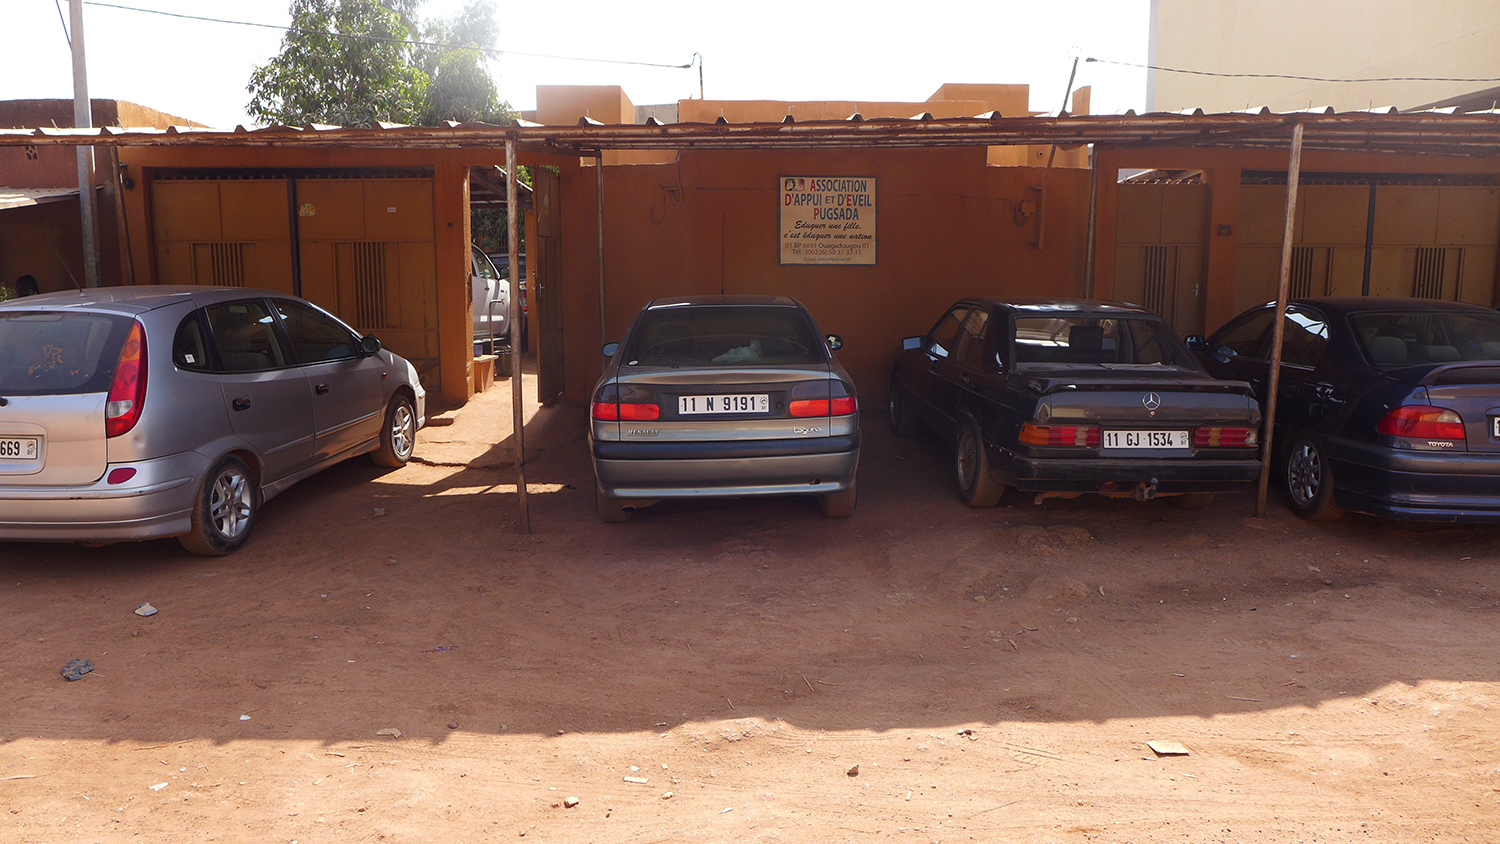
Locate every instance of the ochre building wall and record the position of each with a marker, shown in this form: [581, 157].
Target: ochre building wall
[710, 223]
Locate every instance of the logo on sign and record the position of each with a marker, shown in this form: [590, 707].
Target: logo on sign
[1151, 400]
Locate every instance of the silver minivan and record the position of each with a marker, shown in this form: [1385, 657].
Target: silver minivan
[724, 396]
[142, 412]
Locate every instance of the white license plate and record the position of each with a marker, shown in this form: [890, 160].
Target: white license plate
[757, 403]
[1147, 439]
[18, 448]
[1495, 427]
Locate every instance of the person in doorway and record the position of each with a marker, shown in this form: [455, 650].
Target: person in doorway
[26, 286]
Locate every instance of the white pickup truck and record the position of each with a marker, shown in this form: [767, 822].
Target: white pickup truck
[491, 304]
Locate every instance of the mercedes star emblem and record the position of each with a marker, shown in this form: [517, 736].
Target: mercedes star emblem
[1151, 400]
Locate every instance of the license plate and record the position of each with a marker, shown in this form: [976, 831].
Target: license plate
[1495, 427]
[757, 403]
[1146, 439]
[18, 448]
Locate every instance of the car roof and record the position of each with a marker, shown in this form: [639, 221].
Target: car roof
[686, 301]
[1360, 304]
[136, 299]
[1046, 305]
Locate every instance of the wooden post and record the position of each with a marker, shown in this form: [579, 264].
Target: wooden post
[1278, 329]
[517, 374]
[599, 199]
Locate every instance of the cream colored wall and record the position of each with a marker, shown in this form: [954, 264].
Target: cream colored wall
[1329, 38]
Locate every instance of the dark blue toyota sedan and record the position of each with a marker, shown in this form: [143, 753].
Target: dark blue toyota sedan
[1386, 406]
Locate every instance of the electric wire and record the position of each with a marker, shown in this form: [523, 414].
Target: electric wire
[486, 50]
[1299, 78]
[67, 36]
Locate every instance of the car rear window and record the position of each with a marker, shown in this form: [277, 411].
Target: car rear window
[49, 353]
[1393, 340]
[739, 335]
[1112, 342]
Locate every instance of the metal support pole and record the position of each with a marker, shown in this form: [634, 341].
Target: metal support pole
[1364, 287]
[1278, 329]
[518, 416]
[1041, 195]
[599, 197]
[1088, 256]
[122, 225]
[83, 118]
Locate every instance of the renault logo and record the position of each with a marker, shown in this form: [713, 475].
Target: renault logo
[1151, 400]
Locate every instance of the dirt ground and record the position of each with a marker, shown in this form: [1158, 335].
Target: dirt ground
[748, 670]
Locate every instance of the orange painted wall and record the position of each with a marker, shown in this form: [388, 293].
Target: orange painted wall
[711, 223]
[1222, 171]
[450, 169]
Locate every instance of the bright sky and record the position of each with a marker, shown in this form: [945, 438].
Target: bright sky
[871, 50]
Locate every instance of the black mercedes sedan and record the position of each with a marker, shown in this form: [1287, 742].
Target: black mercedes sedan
[1386, 406]
[1066, 397]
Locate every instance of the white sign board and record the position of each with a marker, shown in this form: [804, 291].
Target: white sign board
[828, 220]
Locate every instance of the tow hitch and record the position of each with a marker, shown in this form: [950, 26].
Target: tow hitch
[1145, 490]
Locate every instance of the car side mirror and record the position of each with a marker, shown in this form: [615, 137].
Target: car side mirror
[1197, 343]
[610, 349]
[910, 344]
[369, 345]
[835, 342]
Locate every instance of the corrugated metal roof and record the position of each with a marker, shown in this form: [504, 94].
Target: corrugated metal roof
[22, 197]
[1438, 131]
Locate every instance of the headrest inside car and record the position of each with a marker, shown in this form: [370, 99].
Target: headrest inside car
[1386, 350]
[1086, 338]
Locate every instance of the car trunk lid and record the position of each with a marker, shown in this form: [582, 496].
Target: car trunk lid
[693, 405]
[1150, 398]
[1472, 390]
[55, 371]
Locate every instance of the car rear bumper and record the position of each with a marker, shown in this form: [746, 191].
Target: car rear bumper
[1035, 474]
[701, 470]
[1418, 485]
[157, 502]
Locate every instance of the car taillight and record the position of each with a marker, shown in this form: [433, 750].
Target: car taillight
[1217, 437]
[1422, 421]
[127, 393]
[1083, 435]
[630, 403]
[822, 398]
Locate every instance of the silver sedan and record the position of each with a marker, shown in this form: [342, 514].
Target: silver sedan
[141, 412]
[724, 396]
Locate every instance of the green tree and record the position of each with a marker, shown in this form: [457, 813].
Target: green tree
[353, 62]
[460, 87]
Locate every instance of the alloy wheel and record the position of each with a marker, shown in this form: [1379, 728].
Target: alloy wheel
[1304, 472]
[968, 459]
[231, 503]
[403, 430]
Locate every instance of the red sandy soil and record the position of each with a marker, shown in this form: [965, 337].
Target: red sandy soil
[993, 674]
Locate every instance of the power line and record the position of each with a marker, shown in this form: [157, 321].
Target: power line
[1299, 78]
[485, 50]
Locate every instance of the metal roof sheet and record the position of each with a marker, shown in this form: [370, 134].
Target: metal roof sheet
[1438, 131]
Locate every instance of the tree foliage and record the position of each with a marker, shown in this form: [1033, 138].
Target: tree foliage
[352, 63]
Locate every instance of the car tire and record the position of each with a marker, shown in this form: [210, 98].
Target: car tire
[977, 484]
[225, 511]
[398, 435]
[1309, 479]
[903, 423]
[611, 510]
[1194, 500]
[838, 505]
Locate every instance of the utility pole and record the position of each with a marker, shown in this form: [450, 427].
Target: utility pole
[83, 119]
